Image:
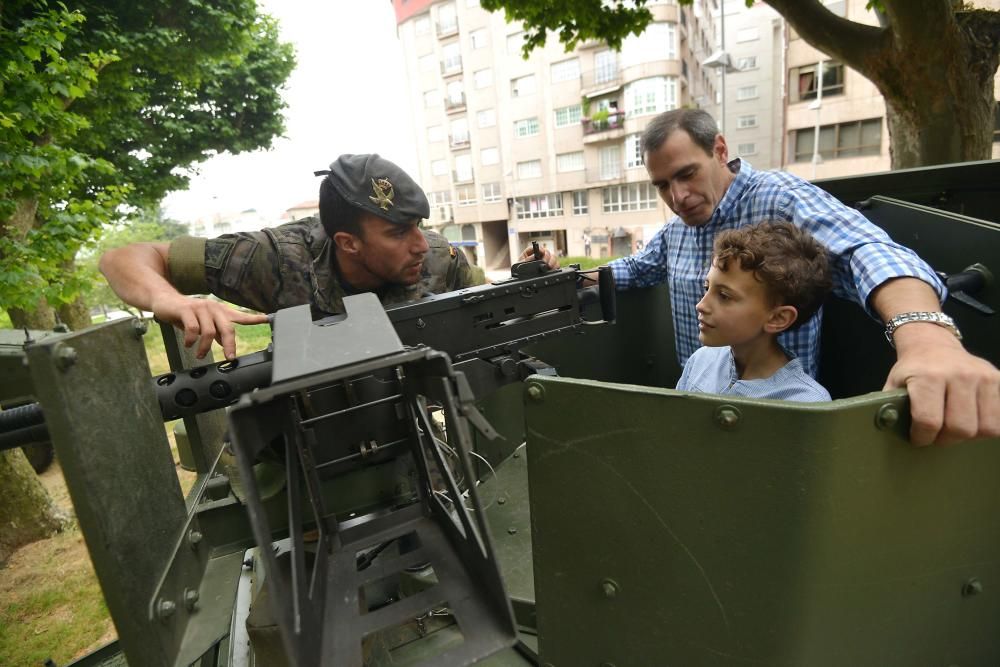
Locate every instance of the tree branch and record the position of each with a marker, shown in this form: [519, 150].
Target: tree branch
[853, 44]
[917, 23]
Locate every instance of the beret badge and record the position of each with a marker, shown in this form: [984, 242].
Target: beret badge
[383, 193]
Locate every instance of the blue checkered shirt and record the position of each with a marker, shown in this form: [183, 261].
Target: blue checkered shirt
[862, 255]
[712, 370]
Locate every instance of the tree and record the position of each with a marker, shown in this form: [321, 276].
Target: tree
[123, 98]
[26, 511]
[932, 60]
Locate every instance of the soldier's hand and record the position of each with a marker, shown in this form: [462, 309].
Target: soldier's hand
[203, 320]
[529, 254]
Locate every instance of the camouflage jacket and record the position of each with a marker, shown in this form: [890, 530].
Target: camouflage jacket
[293, 264]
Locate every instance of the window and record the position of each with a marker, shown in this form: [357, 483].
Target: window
[483, 78]
[422, 25]
[432, 98]
[566, 116]
[610, 159]
[630, 197]
[435, 133]
[459, 132]
[747, 34]
[486, 118]
[746, 149]
[522, 86]
[427, 62]
[478, 38]
[996, 124]
[492, 192]
[569, 161]
[605, 67]
[514, 43]
[489, 156]
[580, 202]
[439, 197]
[465, 195]
[529, 169]
[447, 19]
[567, 70]
[657, 42]
[439, 167]
[633, 151]
[544, 206]
[463, 168]
[526, 127]
[455, 95]
[802, 81]
[451, 58]
[743, 122]
[649, 96]
[746, 93]
[747, 62]
[863, 137]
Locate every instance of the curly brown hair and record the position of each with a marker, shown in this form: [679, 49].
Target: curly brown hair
[792, 265]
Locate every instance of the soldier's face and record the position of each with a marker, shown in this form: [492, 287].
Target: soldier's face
[392, 253]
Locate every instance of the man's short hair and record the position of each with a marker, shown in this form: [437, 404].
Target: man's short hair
[699, 125]
[792, 265]
[336, 214]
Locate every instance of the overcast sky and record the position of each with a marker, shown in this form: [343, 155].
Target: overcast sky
[346, 95]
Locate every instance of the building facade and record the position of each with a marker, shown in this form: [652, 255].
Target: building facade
[545, 149]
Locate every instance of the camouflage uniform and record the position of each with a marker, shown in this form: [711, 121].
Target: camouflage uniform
[294, 264]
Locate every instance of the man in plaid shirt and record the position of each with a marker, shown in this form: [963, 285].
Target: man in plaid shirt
[954, 395]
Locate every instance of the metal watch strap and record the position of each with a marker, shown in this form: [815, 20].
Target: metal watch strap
[920, 316]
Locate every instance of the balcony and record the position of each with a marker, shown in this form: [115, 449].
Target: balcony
[603, 123]
[452, 104]
[451, 66]
[600, 81]
[447, 28]
[459, 141]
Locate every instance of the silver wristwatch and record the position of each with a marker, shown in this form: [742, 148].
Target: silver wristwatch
[921, 316]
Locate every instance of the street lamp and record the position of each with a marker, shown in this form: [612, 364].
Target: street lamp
[816, 105]
[722, 61]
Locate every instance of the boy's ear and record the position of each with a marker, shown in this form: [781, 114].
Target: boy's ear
[780, 319]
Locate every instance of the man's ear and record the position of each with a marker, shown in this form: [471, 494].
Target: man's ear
[720, 149]
[780, 319]
[347, 243]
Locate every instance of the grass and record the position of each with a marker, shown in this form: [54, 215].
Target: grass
[585, 262]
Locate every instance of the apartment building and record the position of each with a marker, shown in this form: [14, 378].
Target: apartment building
[545, 149]
[754, 90]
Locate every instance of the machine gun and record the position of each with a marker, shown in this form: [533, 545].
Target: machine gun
[336, 399]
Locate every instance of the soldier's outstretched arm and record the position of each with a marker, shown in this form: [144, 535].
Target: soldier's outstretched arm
[138, 274]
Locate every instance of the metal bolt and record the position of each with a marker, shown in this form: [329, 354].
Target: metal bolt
[190, 598]
[165, 608]
[607, 664]
[610, 588]
[140, 327]
[887, 416]
[727, 416]
[65, 356]
[194, 537]
[512, 531]
[420, 323]
[501, 500]
[972, 587]
[536, 392]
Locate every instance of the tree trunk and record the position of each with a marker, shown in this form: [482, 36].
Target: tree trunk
[75, 315]
[43, 317]
[27, 513]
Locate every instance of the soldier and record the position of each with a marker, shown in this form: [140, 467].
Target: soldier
[366, 239]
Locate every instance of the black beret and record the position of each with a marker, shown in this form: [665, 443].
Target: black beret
[377, 186]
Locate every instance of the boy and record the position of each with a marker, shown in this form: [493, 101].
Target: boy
[765, 279]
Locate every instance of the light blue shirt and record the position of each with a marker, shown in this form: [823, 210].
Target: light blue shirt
[712, 370]
[862, 256]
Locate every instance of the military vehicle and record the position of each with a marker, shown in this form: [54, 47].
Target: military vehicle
[503, 476]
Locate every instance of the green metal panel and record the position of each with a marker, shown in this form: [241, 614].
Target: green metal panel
[105, 423]
[668, 529]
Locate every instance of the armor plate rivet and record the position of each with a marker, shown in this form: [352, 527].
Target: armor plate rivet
[727, 416]
[887, 416]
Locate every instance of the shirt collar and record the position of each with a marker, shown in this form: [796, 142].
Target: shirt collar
[743, 171]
